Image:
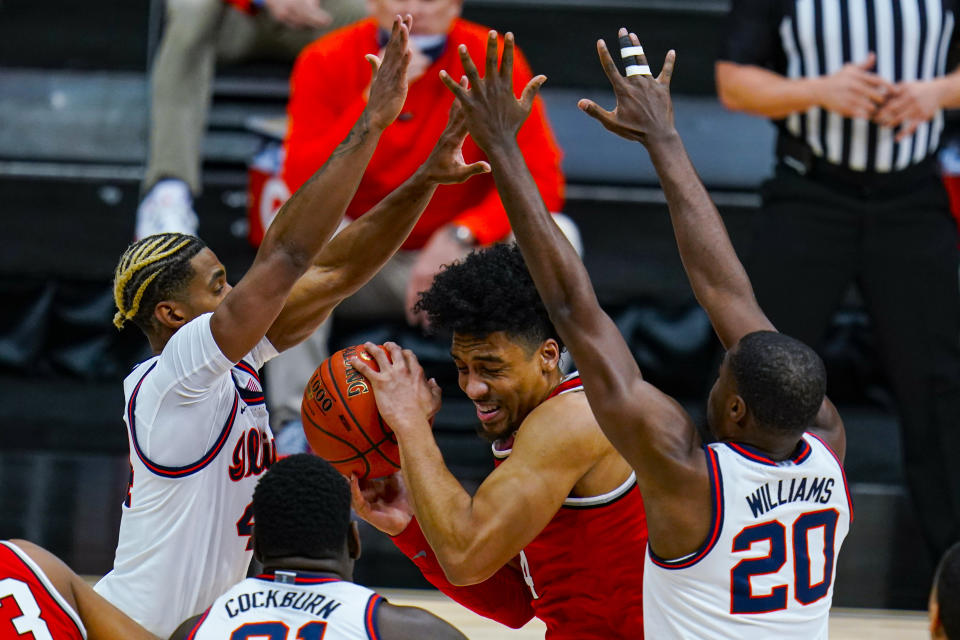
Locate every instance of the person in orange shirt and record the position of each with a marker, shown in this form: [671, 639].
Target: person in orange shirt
[327, 94]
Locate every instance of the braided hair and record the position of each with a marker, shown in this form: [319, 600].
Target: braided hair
[150, 270]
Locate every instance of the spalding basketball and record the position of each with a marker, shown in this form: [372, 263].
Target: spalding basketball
[341, 421]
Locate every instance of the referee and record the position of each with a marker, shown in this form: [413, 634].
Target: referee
[856, 89]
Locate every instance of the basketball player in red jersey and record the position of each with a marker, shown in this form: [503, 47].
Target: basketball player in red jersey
[718, 566]
[41, 598]
[554, 531]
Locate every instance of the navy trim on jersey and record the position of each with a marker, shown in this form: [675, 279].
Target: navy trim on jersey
[801, 453]
[196, 627]
[370, 616]
[43, 580]
[300, 577]
[716, 491]
[178, 472]
[846, 487]
[248, 396]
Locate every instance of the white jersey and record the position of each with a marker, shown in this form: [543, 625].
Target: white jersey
[289, 605]
[199, 438]
[768, 565]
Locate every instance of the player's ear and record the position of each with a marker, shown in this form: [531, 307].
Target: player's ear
[736, 409]
[170, 314]
[353, 541]
[549, 354]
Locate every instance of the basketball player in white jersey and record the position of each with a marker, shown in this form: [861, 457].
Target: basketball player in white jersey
[308, 545]
[744, 532]
[197, 424]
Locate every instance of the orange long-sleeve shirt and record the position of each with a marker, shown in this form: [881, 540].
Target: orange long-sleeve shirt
[326, 98]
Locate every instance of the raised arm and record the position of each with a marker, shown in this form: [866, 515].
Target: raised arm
[644, 113]
[308, 219]
[648, 428]
[358, 252]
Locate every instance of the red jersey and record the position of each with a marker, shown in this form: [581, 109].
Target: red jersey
[583, 572]
[30, 606]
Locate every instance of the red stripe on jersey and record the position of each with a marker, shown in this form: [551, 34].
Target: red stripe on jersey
[716, 485]
[370, 617]
[568, 384]
[843, 473]
[299, 578]
[802, 453]
[177, 472]
[196, 627]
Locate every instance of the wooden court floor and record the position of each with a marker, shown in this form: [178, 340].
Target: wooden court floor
[845, 624]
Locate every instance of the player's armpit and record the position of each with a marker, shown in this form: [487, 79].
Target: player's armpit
[413, 623]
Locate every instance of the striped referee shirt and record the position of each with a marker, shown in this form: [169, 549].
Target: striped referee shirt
[810, 38]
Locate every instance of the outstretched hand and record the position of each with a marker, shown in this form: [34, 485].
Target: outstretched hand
[644, 109]
[388, 86]
[382, 502]
[407, 401]
[492, 111]
[445, 164]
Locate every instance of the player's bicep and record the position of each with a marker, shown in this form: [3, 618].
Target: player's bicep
[650, 430]
[517, 501]
[248, 311]
[733, 317]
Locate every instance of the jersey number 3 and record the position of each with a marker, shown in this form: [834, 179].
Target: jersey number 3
[19, 608]
[742, 599]
[278, 631]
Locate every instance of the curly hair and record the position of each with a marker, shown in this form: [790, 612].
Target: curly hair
[488, 291]
[150, 270]
[301, 507]
[781, 379]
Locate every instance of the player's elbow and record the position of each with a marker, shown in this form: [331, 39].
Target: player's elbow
[463, 568]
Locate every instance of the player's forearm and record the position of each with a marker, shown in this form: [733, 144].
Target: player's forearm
[716, 274]
[349, 260]
[763, 92]
[555, 266]
[308, 219]
[440, 503]
[359, 251]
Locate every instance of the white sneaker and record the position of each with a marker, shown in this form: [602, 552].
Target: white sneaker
[167, 208]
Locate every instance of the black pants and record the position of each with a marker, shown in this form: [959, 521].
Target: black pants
[900, 246]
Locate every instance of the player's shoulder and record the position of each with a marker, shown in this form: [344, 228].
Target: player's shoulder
[566, 418]
[52, 567]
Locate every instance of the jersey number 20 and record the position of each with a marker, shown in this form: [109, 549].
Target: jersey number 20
[742, 599]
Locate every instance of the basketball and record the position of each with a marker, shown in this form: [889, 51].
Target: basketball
[341, 421]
